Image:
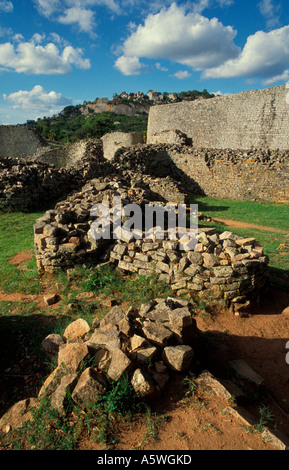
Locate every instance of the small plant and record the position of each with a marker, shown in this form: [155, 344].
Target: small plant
[154, 422]
[47, 431]
[120, 397]
[99, 279]
[265, 416]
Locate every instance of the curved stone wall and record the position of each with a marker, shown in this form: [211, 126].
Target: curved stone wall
[19, 141]
[258, 118]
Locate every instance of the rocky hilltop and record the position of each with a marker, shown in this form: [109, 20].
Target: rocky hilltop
[139, 102]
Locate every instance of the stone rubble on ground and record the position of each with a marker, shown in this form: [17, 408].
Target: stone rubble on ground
[148, 345]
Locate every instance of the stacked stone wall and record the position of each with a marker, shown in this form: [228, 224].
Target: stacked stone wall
[227, 267]
[19, 141]
[27, 186]
[257, 118]
[233, 174]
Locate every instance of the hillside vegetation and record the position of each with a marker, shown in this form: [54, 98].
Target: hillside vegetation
[71, 125]
[78, 122]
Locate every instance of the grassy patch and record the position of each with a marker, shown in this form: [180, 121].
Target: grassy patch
[260, 213]
[108, 282]
[16, 235]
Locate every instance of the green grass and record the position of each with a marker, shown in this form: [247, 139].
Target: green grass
[16, 235]
[107, 281]
[260, 213]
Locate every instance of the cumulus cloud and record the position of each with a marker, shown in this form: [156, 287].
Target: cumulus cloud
[130, 65]
[37, 100]
[265, 55]
[33, 58]
[182, 74]
[84, 18]
[187, 38]
[6, 6]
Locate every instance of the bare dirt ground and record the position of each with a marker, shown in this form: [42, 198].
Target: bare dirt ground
[200, 422]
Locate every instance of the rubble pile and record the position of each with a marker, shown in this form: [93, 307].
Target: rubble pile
[148, 345]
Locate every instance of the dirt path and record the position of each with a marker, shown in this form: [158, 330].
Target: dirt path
[237, 224]
[21, 257]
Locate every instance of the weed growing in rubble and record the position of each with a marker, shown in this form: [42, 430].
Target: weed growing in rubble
[99, 280]
[265, 416]
[120, 398]
[50, 430]
[154, 422]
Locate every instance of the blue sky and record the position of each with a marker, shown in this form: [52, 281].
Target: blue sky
[54, 53]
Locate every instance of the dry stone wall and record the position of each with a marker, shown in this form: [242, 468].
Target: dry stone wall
[71, 155]
[227, 267]
[63, 236]
[233, 174]
[19, 141]
[27, 186]
[257, 118]
[252, 174]
[115, 140]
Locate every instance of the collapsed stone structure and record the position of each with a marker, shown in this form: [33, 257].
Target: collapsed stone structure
[148, 345]
[259, 174]
[226, 266]
[27, 186]
[63, 236]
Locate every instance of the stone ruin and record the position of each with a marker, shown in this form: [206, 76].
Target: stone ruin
[223, 266]
[160, 339]
[226, 267]
[148, 345]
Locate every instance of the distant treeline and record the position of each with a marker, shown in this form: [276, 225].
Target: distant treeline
[71, 125]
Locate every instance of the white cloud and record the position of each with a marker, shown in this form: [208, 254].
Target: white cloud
[77, 12]
[161, 68]
[32, 58]
[265, 55]
[187, 38]
[47, 7]
[201, 5]
[6, 6]
[5, 31]
[270, 12]
[18, 37]
[182, 74]
[130, 65]
[84, 18]
[37, 100]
